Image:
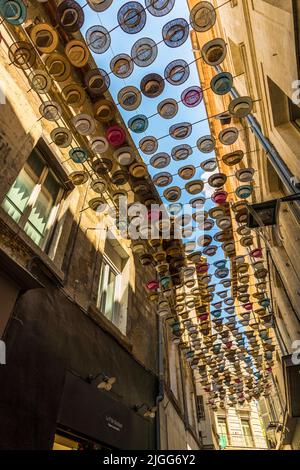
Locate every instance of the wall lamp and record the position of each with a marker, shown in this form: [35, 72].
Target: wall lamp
[146, 411]
[275, 426]
[265, 213]
[103, 381]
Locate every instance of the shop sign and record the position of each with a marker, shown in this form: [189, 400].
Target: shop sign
[94, 413]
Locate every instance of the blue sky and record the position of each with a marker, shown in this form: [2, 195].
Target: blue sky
[122, 42]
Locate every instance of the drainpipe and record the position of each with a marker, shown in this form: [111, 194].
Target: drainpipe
[273, 155]
[296, 17]
[160, 395]
[279, 165]
[185, 405]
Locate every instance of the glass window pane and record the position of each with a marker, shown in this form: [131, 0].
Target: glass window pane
[41, 211]
[223, 433]
[107, 291]
[102, 289]
[17, 197]
[247, 433]
[110, 295]
[35, 165]
[200, 407]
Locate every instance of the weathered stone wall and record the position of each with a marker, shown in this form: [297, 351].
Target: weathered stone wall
[78, 244]
[174, 433]
[48, 336]
[262, 40]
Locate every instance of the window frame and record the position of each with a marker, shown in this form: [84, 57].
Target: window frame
[224, 418]
[294, 114]
[108, 265]
[246, 437]
[200, 408]
[34, 194]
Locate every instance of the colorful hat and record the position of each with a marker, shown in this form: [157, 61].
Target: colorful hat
[116, 136]
[192, 96]
[129, 98]
[159, 7]
[22, 54]
[222, 83]
[144, 52]
[203, 16]
[77, 53]
[98, 39]
[214, 52]
[99, 6]
[70, 16]
[132, 17]
[206, 144]
[168, 108]
[14, 12]
[44, 37]
[122, 66]
[229, 136]
[175, 32]
[177, 72]
[148, 145]
[138, 123]
[152, 85]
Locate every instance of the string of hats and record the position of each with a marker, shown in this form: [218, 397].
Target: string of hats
[49, 67]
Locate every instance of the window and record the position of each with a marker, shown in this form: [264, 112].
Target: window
[282, 4]
[294, 114]
[274, 182]
[112, 285]
[273, 412]
[237, 59]
[190, 398]
[249, 442]
[200, 408]
[282, 107]
[107, 301]
[223, 432]
[174, 368]
[241, 67]
[33, 199]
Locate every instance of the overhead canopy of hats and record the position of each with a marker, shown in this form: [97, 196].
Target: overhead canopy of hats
[58, 64]
[202, 287]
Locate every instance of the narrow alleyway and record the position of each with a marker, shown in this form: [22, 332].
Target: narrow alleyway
[149, 225]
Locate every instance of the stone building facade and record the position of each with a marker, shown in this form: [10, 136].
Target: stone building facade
[240, 428]
[65, 334]
[262, 39]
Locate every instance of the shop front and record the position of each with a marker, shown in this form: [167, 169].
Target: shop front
[93, 419]
[46, 398]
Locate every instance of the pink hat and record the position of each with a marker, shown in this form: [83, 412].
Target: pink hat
[219, 197]
[116, 136]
